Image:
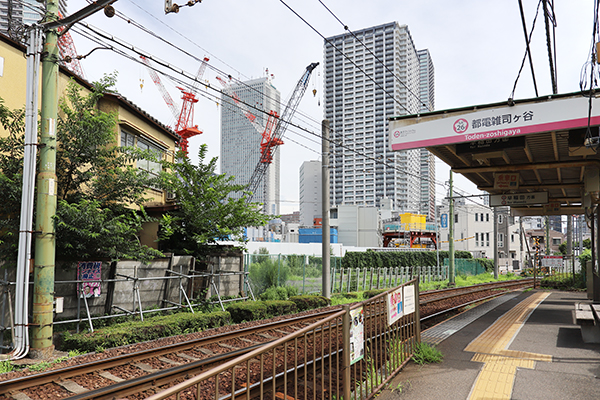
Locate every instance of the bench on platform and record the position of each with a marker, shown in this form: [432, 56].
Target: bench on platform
[588, 317]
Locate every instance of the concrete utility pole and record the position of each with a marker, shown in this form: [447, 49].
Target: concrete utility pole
[325, 209]
[43, 273]
[451, 270]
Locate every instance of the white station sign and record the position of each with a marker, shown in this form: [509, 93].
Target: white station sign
[492, 123]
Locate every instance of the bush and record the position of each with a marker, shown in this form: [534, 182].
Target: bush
[372, 293]
[487, 263]
[279, 293]
[392, 259]
[309, 302]
[141, 331]
[268, 273]
[247, 311]
[280, 307]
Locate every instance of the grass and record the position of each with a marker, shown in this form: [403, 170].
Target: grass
[6, 366]
[467, 280]
[427, 354]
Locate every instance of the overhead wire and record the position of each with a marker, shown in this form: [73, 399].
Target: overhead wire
[212, 97]
[527, 49]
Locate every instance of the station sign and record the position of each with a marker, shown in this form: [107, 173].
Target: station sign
[496, 122]
[506, 180]
[518, 199]
[444, 220]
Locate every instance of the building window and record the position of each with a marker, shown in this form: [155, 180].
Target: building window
[487, 239]
[481, 219]
[456, 218]
[152, 166]
[500, 239]
[556, 241]
[500, 219]
[487, 217]
[512, 238]
[476, 237]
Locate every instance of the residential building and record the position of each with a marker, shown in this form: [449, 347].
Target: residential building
[370, 75]
[240, 140]
[293, 218]
[311, 189]
[427, 100]
[357, 225]
[15, 15]
[134, 126]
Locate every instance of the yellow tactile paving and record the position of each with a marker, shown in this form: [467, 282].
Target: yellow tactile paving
[495, 381]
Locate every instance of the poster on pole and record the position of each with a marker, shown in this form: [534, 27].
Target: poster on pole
[409, 299]
[357, 335]
[89, 271]
[394, 306]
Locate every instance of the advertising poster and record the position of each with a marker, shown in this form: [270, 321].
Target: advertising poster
[357, 335]
[89, 271]
[394, 303]
[409, 299]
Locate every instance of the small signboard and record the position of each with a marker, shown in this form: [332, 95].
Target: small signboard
[506, 180]
[409, 299]
[444, 220]
[517, 199]
[357, 335]
[551, 208]
[89, 271]
[394, 306]
[552, 261]
[490, 145]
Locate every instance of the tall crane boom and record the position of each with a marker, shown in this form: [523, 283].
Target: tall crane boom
[184, 118]
[280, 128]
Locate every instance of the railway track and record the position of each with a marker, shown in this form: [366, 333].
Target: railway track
[137, 373]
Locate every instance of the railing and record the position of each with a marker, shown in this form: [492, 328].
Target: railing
[351, 354]
[344, 280]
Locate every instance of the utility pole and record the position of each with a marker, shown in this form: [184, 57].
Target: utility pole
[326, 289]
[43, 271]
[451, 270]
[44, 264]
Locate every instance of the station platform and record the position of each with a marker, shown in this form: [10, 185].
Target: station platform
[519, 346]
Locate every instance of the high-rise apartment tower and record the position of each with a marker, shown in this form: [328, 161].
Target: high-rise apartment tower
[15, 15]
[427, 97]
[311, 189]
[371, 75]
[240, 141]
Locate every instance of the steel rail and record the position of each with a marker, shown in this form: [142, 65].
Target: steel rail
[74, 370]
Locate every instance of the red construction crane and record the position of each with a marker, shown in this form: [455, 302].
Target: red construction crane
[185, 117]
[67, 51]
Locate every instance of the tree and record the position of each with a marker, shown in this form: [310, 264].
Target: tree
[205, 210]
[96, 182]
[11, 177]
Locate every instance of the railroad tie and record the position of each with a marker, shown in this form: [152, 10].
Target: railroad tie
[202, 350]
[168, 361]
[72, 387]
[19, 396]
[146, 368]
[268, 336]
[228, 346]
[187, 357]
[109, 376]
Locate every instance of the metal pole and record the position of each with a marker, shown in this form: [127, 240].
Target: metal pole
[346, 378]
[326, 284]
[451, 280]
[43, 273]
[495, 243]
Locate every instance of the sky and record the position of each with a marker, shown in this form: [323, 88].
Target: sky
[477, 47]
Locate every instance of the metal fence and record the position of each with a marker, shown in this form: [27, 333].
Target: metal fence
[351, 354]
[344, 280]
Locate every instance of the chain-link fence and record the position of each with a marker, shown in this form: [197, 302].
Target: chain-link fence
[466, 266]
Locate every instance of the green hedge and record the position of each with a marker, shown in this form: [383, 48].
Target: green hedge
[392, 259]
[372, 293]
[280, 307]
[309, 302]
[142, 331]
[247, 311]
[488, 263]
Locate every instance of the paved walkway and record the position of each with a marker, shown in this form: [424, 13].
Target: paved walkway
[520, 346]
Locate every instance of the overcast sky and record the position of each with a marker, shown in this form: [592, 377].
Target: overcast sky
[476, 45]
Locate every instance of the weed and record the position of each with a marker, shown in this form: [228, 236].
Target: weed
[6, 366]
[100, 349]
[41, 366]
[75, 353]
[426, 354]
